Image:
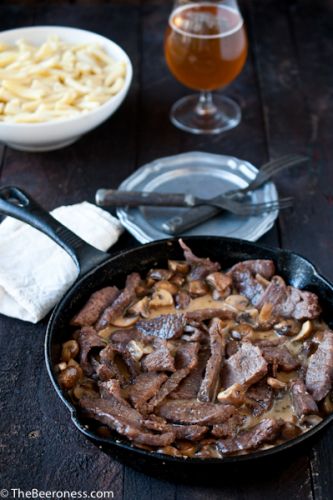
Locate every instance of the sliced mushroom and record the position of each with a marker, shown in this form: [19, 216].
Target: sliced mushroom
[161, 298]
[290, 430]
[328, 404]
[197, 288]
[106, 332]
[288, 327]
[137, 349]
[276, 384]
[311, 419]
[160, 274]
[70, 349]
[86, 388]
[241, 331]
[305, 332]
[166, 285]
[178, 266]
[69, 377]
[219, 281]
[238, 301]
[125, 321]
[233, 395]
[140, 308]
[61, 366]
[262, 280]
[178, 279]
[265, 312]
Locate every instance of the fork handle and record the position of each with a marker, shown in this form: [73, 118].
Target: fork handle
[116, 198]
[190, 218]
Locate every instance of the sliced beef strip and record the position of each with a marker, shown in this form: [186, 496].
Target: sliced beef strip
[188, 432]
[108, 367]
[88, 339]
[289, 302]
[259, 398]
[144, 388]
[187, 355]
[169, 386]
[200, 267]
[95, 305]
[193, 412]
[209, 313]
[112, 388]
[211, 380]
[264, 432]
[264, 267]
[303, 402]
[118, 307]
[319, 374]
[124, 420]
[244, 278]
[229, 427]
[189, 387]
[279, 357]
[246, 367]
[166, 326]
[186, 360]
[160, 359]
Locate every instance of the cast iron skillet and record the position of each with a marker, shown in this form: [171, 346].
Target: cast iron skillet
[98, 269]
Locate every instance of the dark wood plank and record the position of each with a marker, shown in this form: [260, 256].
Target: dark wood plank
[53, 454]
[314, 55]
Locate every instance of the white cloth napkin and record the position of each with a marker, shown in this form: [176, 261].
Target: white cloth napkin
[34, 271]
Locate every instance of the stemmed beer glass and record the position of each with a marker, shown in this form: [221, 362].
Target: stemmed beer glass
[205, 49]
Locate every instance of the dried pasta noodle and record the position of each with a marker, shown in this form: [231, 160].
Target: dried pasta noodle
[56, 80]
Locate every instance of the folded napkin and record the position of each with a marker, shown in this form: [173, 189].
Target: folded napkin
[34, 271]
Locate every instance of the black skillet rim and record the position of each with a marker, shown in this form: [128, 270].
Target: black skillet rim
[126, 445]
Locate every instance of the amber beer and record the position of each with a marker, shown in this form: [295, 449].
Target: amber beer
[205, 45]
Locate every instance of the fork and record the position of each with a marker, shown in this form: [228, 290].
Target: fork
[197, 215]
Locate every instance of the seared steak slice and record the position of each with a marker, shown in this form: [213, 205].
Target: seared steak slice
[209, 313]
[280, 357]
[200, 267]
[264, 267]
[189, 432]
[244, 278]
[246, 367]
[189, 387]
[211, 380]
[259, 397]
[187, 355]
[319, 374]
[229, 427]
[88, 339]
[289, 302]
[118, 307]
[124, 420]
[145, 387]
[303, 402]
[160, 359]
[112, 388]
[166, 326]
[189, 411]
[264, 432]
[169, 386]
[95, 305]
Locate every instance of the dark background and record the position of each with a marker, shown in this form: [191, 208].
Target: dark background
[286, 96]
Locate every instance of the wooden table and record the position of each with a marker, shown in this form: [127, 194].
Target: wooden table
[286, 95]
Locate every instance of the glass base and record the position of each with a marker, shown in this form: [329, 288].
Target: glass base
[186, 115]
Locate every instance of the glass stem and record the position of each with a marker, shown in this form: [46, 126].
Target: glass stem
[205, 106]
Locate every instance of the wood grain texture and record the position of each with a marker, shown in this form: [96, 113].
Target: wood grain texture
[285, 92]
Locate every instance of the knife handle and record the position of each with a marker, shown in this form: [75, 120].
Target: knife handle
[116, 198]
[190, 218]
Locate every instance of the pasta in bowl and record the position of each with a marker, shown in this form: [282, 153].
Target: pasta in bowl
[56, 84]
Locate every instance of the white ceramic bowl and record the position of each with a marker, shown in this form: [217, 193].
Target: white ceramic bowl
[52, 135]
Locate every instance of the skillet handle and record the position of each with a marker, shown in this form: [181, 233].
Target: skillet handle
[18, 204]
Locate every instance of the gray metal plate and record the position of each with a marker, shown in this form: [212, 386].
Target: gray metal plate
[201, 174]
